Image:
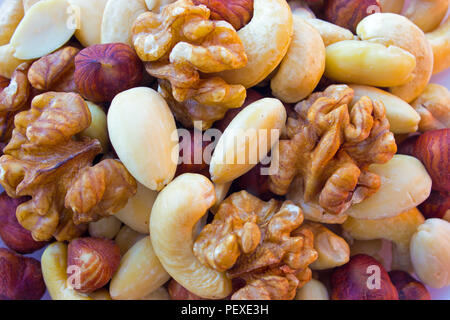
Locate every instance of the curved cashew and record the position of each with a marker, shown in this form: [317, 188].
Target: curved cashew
[430, 253]
[426, 14]
[221, 193]
[405, 184]
[333, 250]
[330, 32]
[393, 6]
[433, 106]
[439, 40]
[393, 29]
[402, 117]
[54, 270]
[176, 211]
[139, 274]
[247, 139]
[293, 82]
[266, 40]
[399, 230]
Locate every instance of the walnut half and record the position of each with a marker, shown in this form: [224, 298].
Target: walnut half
[252, 240]
[44, 160]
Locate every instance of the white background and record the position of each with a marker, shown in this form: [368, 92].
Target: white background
[444, 79]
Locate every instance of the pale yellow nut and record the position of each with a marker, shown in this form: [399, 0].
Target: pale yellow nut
[373, 248]
[439, 40]
[118, 16]
[247, 139]
[100, 294]
[398, 229]
[402, 116]
[54, 270]
[126, 238]
[159, 294]
[393, 29]
[430, 253]
[11, 12]
[330, 32]
[221, 193]
[139, 274]
[266, 39]
[312, 290]
[8, 63]
[426, 14]
[156, 5]
[45, 28]
[176, 211]
[433, 106]
[293, 82]
[27, 4]
[90, 15]
[301, 9]
[393, 6]
[143, 133]
[136, 213]
[98, 128]
[405, 184]
[369, 63]
[107, 228]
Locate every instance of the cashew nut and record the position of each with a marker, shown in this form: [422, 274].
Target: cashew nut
[430, 253]
[426, 14]
[176, 211]
[433, 106]
[393, 6]
[293, 82]
[300, 8]
[247, 139]
[11, 12]
[159, 294]
[54, 270]
[313, 290]
[8, 63]
[370, 63]
[221, 193]
[402, 117]
[266, 40]
[393, 29]
[439, 40]
[330, 32]
[105, 228]
[399, 230]
[405, 184]
[139, 274]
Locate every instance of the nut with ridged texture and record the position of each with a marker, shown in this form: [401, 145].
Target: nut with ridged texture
[97, 260]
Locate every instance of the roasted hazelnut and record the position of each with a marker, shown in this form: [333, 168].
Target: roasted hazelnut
[20, 277]
[97, 260]
[237, 12]
[104, 70]
[436, 206]
[255, 183]
[408, 288]
[362, 278]
[12, 233]
[348, 13]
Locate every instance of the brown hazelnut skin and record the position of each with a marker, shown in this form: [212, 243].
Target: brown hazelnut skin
[254, 183]
[350, 281]
[195, 146]
[20, 277]
[4, 82]
[104, 70]
[436, 206]
[348, 13]
[433, 149]
[237, 12]
[178, 292]
[12, 233]
[408, 288]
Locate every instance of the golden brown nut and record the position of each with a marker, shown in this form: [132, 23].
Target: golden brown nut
[329, 149]
[43, 161]
[13, 99]
[252, 240]
[178, 45]
[54, 72]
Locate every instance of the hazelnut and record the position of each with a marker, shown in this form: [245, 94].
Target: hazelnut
[348, 13]
[97, 260]
[255, 183]
[104, 70]
[12, 233]
[21, 277]
[436, 206]
[178, 292]
[237, 12]
[362, 278]
[408, 288]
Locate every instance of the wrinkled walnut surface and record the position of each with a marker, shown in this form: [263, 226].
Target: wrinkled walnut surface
[251, 240]
[44, 161]
[180, 45]
[328, 148]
